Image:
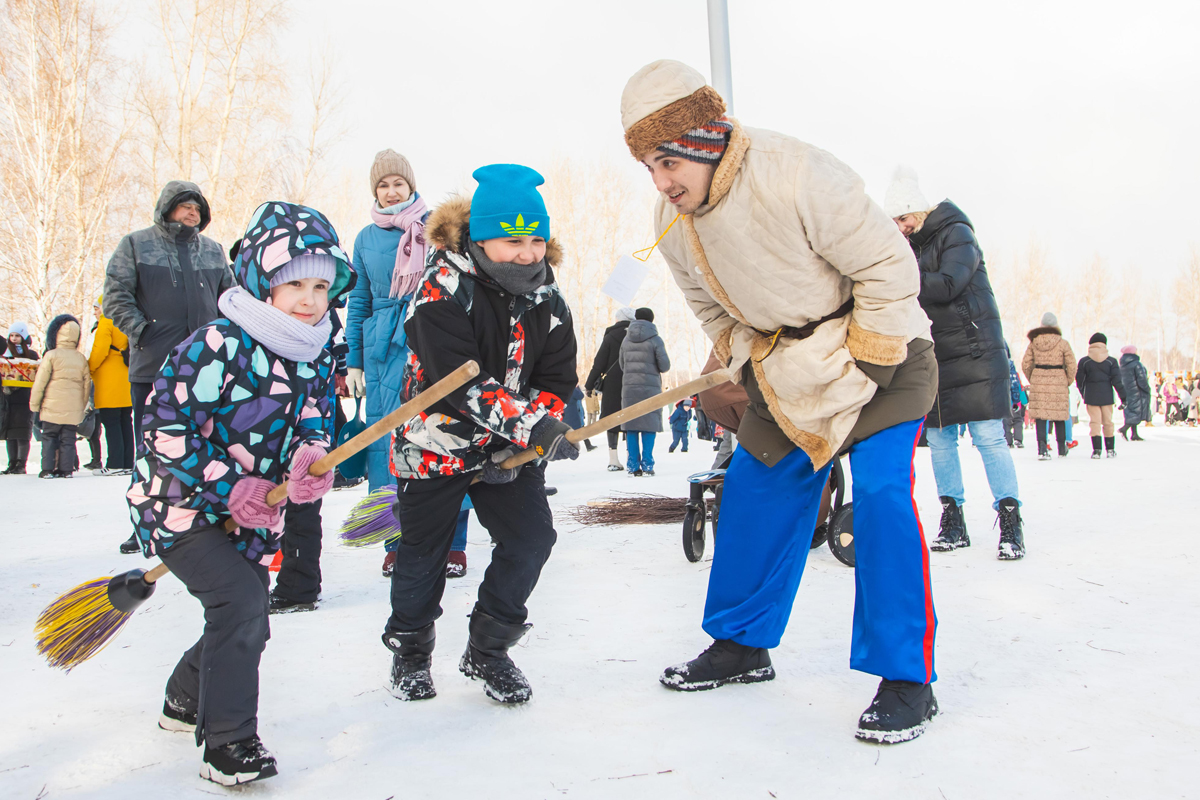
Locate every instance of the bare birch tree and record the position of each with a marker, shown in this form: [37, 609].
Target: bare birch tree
[1186, 300]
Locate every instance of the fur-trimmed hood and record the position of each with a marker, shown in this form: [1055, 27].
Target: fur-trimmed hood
[1043, 330]
[448, 225]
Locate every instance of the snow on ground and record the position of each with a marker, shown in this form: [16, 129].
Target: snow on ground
[1069, 672]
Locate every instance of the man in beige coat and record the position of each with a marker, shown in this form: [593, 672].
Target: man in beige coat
[809, 294]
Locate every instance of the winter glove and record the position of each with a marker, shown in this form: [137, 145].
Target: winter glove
[494, 473]
[37, 420]
[303, 487]
[355, 382]
[549, 440]
[249, 507]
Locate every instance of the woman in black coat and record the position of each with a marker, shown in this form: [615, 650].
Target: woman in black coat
[16, 421]
[1097, 377]
[606, 377]
[1137, 392]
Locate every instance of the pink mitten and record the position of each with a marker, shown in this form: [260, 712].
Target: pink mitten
[249, 507]
[302, 487]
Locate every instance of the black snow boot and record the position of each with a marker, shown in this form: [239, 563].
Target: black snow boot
[725, 661]
[238, 762]
[486, 658]
[1012, 538]
[1110, 445]
[953, 533]
[1096, 446]
[131, 545]
[411, 679]
[900, 712]
[178, 715]
[284, 605]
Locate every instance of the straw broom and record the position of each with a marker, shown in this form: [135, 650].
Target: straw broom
[633, 508]
[83, 621]
[373, 520]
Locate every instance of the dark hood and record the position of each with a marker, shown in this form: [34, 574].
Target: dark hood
[1129, 358]
[56, 325]
[278, 232]
[174, 193]
[946, 213]
[619, 326]
[640, 330]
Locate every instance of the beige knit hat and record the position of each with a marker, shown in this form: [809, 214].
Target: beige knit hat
[663, 101]
[904, 194]
[389, 162]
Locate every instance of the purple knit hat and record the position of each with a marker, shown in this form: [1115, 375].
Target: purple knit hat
[306, 265]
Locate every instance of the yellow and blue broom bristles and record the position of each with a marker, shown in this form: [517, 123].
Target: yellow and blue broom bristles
[78, 625]
[372, 521]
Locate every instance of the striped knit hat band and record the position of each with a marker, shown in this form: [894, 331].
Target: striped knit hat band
[705, 144]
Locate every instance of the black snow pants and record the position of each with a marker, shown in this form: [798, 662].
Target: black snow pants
[516, 515]
[300, 573]
[58, 448]
[218, 676]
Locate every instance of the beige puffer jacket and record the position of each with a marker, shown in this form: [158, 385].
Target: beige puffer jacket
[787, 237]
[64, 382]
[1049, 366]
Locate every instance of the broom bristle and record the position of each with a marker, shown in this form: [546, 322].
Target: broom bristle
[633, 509]
[372, 521]
[78, 625]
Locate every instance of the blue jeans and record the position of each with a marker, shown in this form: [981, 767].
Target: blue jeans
[988, 437]
[767, 519]
[641, 456]
[677, 437]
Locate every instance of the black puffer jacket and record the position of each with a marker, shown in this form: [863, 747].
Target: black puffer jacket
[973, 383]
[1137, 389]
[1097, 375]
[607, 364]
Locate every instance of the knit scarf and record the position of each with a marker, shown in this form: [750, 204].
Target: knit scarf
[280, 333]
[411, 251]
[516, 278]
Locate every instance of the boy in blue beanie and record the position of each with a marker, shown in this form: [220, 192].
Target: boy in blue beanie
[488, 294]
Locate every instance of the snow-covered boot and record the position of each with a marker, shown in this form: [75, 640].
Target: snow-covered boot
[953, 533]
[725, 661]
[131, 545]
[411, 651]
[389, 564]
[900, 712]
[456, 565]
[178, 715]
[1096, 446]
[486, 658]
[238, 762]
[285, 605]
[1110, 446]
[614, 463]
[1044, 453]
[1012, 538]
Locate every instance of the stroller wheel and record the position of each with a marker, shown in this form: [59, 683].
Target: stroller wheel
[693, 533]
[841, 534]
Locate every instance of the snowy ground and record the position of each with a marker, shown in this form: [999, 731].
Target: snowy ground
[1071, 672]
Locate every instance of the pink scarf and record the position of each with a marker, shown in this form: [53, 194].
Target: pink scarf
[410, 253]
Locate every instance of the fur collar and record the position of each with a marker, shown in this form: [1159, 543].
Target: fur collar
[447, 229]
[735, 151]
[1036, 332]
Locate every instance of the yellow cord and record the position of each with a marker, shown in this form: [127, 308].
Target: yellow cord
[650, 249]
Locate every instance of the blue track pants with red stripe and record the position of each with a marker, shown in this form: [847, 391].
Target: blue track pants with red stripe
[767, 519]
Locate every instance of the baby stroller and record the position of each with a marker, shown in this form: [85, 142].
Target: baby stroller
[835, 518]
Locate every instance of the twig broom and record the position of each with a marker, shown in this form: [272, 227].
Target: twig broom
[83, 621]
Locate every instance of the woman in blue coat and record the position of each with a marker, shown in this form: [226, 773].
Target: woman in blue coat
[389, 257]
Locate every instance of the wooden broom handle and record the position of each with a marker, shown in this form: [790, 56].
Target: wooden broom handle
[377, 431]
[630, 412]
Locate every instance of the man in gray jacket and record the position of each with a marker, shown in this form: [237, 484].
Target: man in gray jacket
[162, 283]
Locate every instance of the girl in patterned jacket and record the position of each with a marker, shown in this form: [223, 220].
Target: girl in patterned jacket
[488, 294]
[241, 405]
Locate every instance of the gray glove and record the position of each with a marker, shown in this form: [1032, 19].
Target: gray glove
[549, 440]
[494, 473]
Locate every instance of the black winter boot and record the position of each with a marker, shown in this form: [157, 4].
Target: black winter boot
[1012, 538]
[486, 658]
[953, 533]
[411, 679]
[131, 545]
[285, 605]
[238, 762]
[178, 715]
[900, 712]
[1096, 447]
[1110, 445]
[725, 661]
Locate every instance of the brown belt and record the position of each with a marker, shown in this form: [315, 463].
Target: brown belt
[804, 331]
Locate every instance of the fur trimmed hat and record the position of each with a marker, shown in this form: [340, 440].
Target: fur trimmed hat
[904, 194]
[389, 162]
[662, 102]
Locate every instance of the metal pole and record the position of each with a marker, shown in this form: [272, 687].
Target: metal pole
[718, 48]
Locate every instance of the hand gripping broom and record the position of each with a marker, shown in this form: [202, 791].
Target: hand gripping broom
[372, 520]
[83, 621]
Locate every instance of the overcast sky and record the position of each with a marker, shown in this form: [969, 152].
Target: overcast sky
[1072, 122]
